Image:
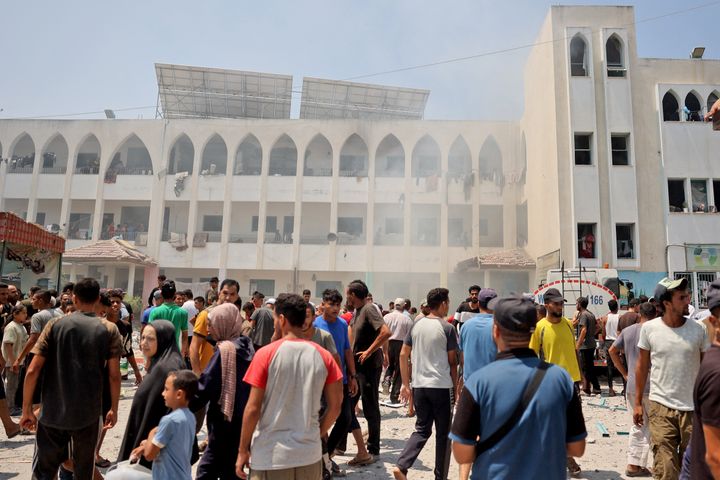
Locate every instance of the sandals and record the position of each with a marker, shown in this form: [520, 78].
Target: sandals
[359, 462]
[102, 462]
[573, 467]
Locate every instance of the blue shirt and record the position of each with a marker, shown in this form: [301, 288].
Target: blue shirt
[146, 315]
[175, 436]
[339, 331]
[477, 344]
[536, 447]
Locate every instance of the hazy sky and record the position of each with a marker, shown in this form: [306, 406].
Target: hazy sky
[62, 57]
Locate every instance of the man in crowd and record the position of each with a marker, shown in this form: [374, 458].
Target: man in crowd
[41, 304]
[399, 325]
[468, 308]
[262, 321]
[433, 344]
[157, 301]
[170, 311]
[705, 441]
[287, 380]
[537, 442]
[160, 279]
[202, 347]
[587, 326]
[212, 292]
[674, 347]
[553, 341]
[476, 340]
[71, 414]
[338, 328]
[610, 329]
[369, 333]
[639, 438]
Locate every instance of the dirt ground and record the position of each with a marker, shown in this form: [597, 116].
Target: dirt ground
[604, 457]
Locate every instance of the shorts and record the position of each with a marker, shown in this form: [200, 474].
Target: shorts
[307, 472]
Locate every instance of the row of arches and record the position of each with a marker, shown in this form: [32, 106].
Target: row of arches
[133, 158]
[692, 110]
[614, 56]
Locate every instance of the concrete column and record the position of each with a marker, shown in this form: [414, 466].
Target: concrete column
[297, 212]
[131, 280]
[262, 206]
[332, 246]
[227, 212]
[443, 187]
[370, 227]
[32, 198]
[111, 270]
[193, 210]
[73, 272]
[99, 201]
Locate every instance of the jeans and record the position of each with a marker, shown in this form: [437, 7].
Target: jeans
[670, 432]
[588, 365]
[368, 379]
[432, 406]
[392, 374]
[340, 430]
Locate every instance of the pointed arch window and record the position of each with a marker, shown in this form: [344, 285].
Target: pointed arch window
[578, 57]
[671, 108]
[614, 57]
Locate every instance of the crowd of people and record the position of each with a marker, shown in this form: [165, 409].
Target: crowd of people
[279, 382]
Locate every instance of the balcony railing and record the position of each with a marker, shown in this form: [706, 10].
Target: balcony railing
[243, 238]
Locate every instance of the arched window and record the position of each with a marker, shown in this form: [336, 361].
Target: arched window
[182, 156]
[425, 158]
[670, 107]
[55, 156]
[712, 98]
[22, 158]
[318, 158]
[283, 157]
[693, 108]
[490, 161]
[459, 159]
[132, 158]
[87, 161]
[578, 57]
[614, 57]
[214, 157]
[390, 158]
[354, 157]
[248, 159]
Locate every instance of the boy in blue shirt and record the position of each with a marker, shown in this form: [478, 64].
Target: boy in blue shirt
[169, 445]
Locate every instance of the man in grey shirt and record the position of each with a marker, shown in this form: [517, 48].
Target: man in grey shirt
[587, 326]
[263, 325]
[434, 346]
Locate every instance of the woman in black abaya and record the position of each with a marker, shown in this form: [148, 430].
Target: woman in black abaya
[162, 356]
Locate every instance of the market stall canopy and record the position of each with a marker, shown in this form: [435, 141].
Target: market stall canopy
[113, 251]
[14, 229]
[513, 259]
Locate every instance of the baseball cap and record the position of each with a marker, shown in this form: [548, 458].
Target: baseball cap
[399, 301]
[157, 294]
[713, 295]
[553, 295]
[270, 300]
[666, 284]
[515, 313]
[485, 295]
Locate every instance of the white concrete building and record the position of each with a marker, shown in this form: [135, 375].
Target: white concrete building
[606, 167]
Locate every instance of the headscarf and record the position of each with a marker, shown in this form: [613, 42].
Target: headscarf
[148, 405]
[226, 323]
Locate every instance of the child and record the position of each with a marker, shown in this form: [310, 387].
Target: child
[170, 444]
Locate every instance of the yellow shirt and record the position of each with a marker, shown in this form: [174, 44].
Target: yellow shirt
[200, 328]
[558, 344]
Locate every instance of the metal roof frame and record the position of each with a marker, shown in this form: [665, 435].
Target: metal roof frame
[201, 92]
[335, 99]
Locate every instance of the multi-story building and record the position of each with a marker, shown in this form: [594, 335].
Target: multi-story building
[607, 166]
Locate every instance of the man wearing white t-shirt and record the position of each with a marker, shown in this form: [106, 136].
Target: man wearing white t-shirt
[674, 347]
[610, 334]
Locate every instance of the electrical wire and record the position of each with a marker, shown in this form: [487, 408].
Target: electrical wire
[419, 66]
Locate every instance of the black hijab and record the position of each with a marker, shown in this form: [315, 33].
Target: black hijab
[148, 405]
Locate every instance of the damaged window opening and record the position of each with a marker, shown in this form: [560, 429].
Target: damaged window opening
[578, 57]
[614, 57]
